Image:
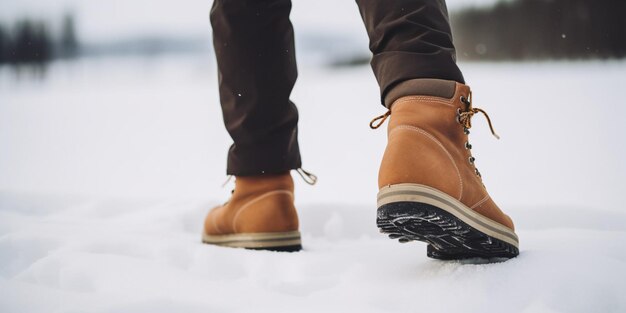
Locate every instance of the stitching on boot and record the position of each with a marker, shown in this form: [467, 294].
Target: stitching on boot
[431, 137]
[479, 203]
[424, 98]
[259, 198]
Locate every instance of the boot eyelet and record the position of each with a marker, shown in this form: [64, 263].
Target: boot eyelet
[468, 145]
[477, 173]
[463, 99]
[471, 160]
[466, 131]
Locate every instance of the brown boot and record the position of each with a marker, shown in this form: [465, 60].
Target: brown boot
[430, 189]
[259, 215]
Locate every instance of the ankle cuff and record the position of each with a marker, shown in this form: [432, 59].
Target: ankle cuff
[423, 87]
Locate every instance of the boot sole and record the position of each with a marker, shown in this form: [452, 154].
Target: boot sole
[410, 212]
[276, 241]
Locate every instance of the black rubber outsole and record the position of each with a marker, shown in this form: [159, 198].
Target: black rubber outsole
[449, 238]
[292, 248]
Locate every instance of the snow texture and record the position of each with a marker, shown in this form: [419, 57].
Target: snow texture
[108, 166]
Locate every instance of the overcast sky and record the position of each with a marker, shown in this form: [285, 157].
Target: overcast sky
[100, 20]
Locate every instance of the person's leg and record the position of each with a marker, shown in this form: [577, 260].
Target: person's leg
[410, 39]
[429, 187]
[254, 46]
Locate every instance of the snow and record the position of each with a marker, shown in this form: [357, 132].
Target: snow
[109, 165]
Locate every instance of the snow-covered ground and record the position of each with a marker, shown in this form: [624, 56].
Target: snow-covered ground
[107, 167]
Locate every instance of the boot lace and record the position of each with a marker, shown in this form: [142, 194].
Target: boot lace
[379, 120]
[308, 177]
[465, 119]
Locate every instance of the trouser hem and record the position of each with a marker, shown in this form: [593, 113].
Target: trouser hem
[395, 67]
[264, 158]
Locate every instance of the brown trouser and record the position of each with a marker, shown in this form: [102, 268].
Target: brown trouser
[254, 45]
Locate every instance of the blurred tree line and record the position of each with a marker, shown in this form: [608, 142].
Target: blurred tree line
[30, 41]
[542, 29]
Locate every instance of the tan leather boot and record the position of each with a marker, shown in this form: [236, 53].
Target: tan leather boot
[430, 189]
[259, 215]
